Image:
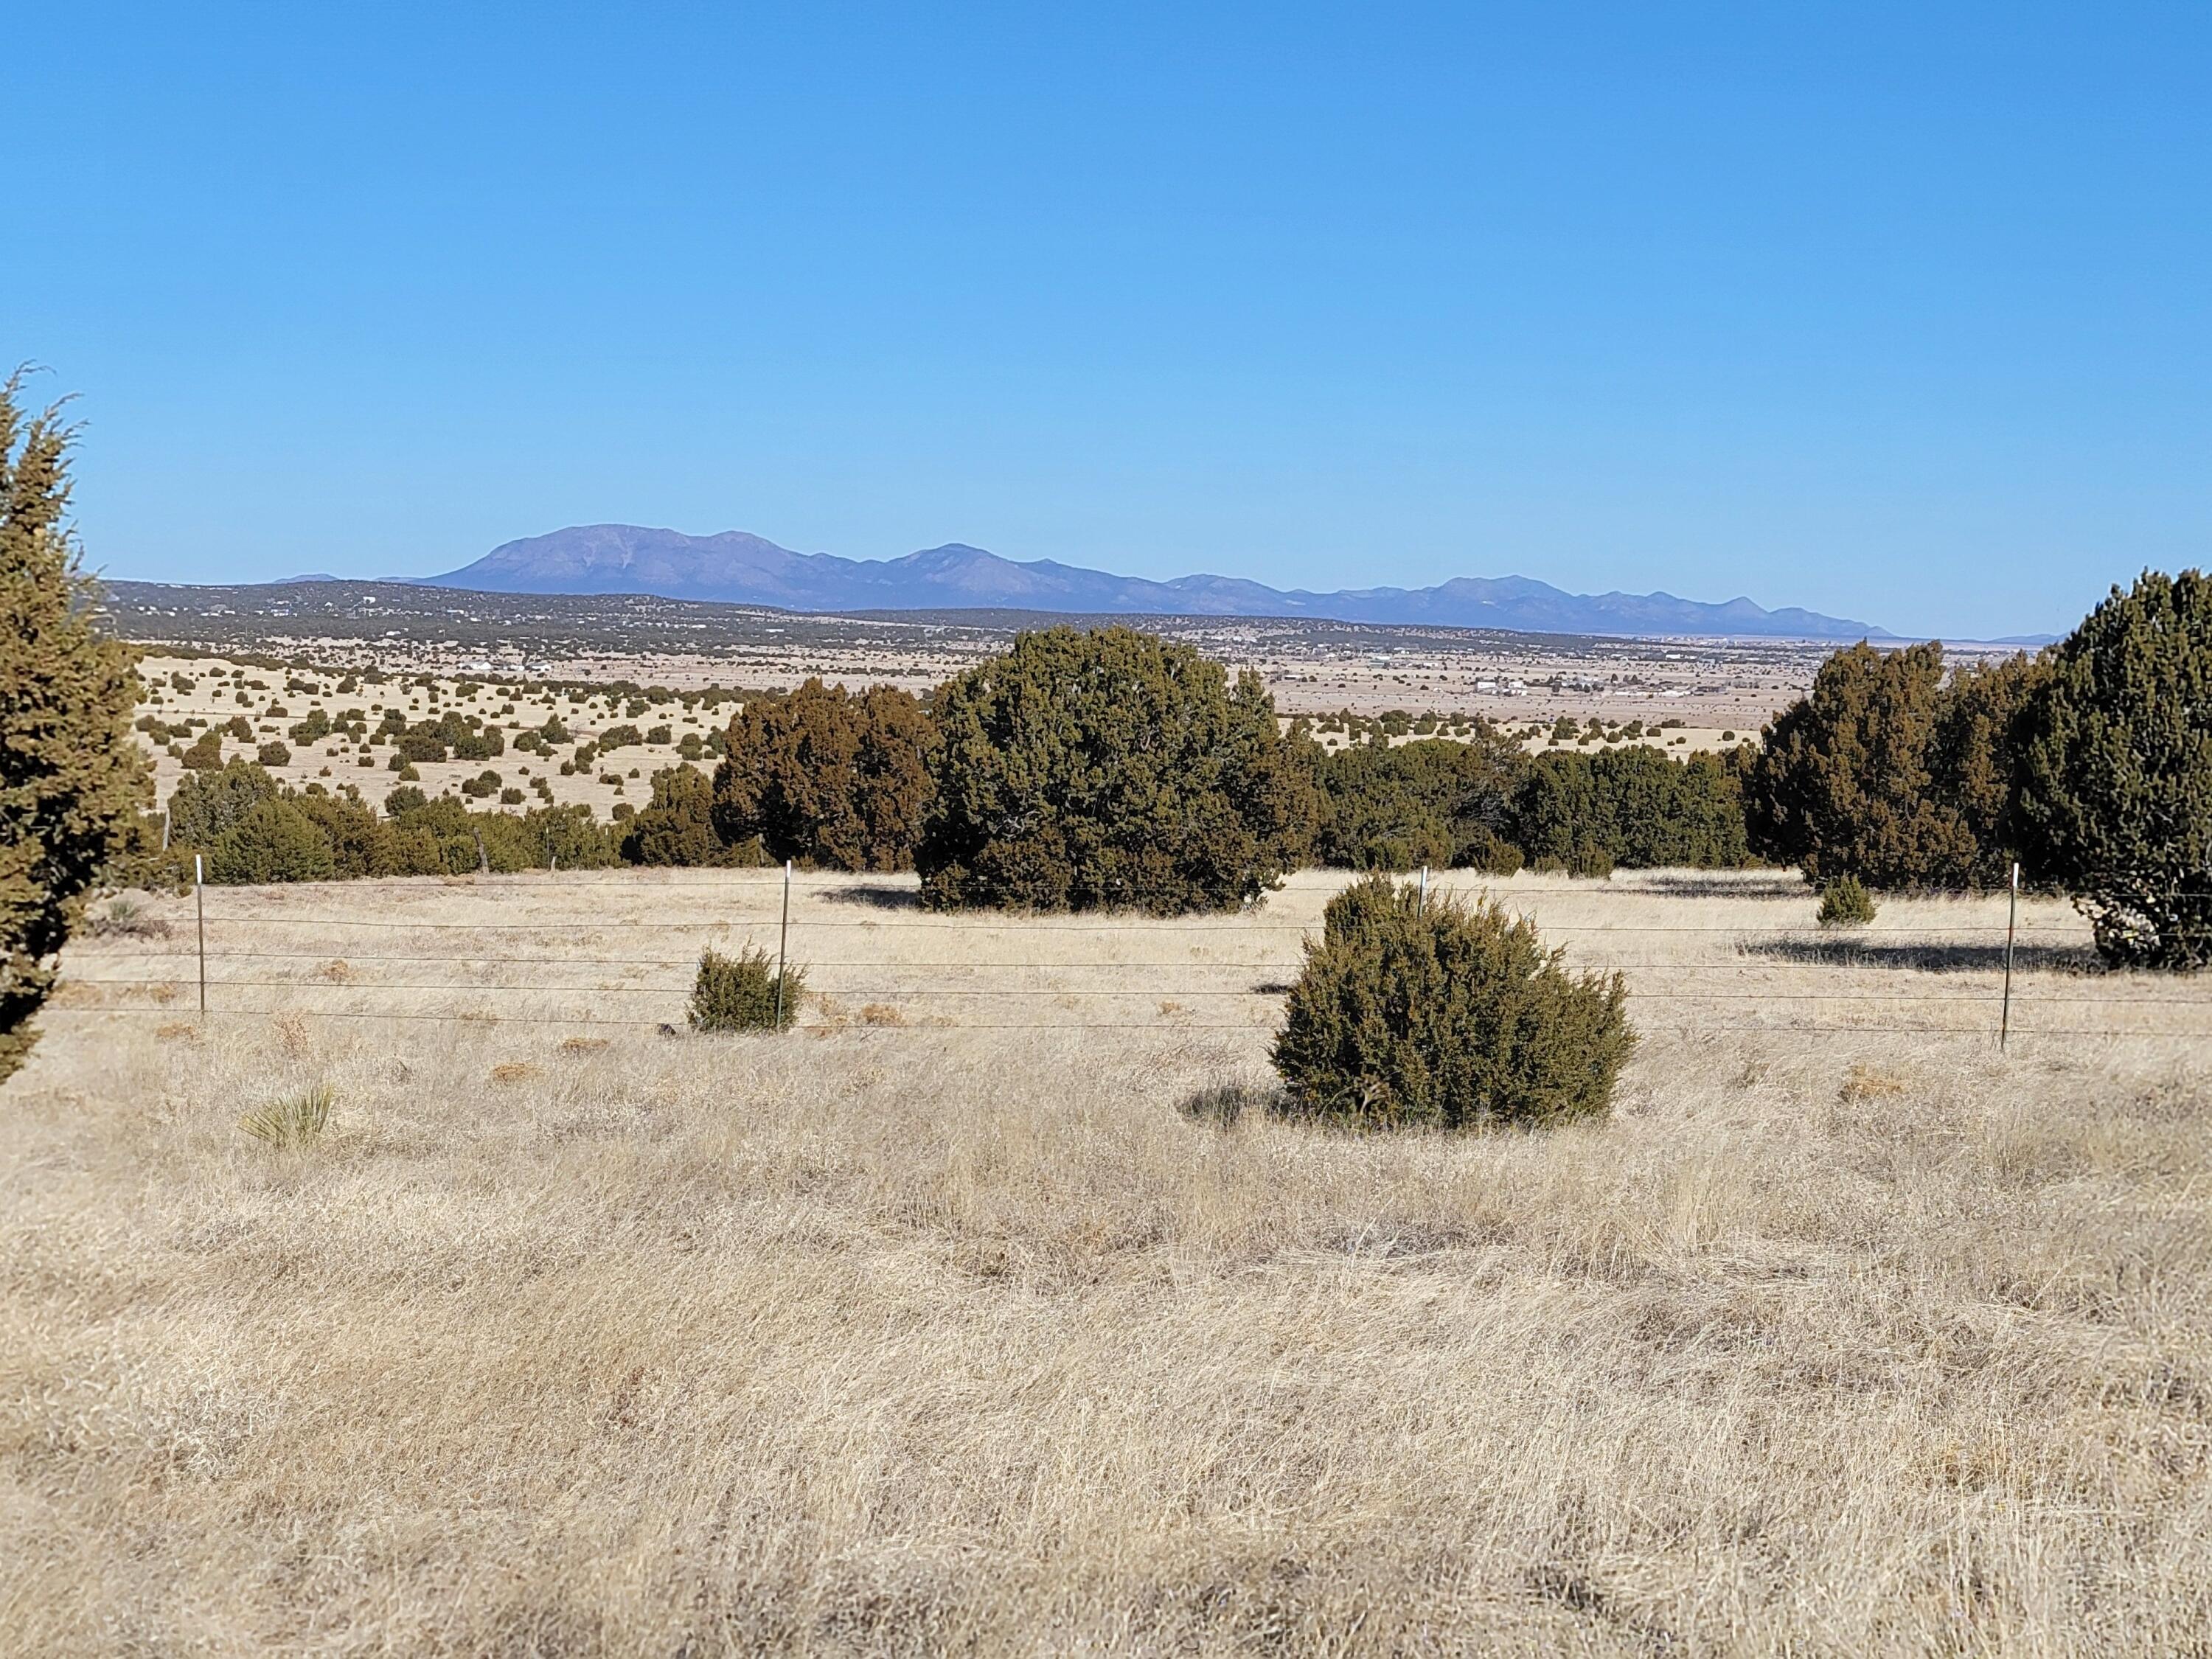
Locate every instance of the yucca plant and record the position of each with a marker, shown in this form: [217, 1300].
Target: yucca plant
[295, 1120]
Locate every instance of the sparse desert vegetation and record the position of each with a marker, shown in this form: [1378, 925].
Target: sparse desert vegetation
[994, 1311]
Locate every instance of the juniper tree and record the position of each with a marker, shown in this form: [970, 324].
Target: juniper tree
[835, 780]
[2116, 776]
[1892, 772]
[1109, 769]
[72, 778]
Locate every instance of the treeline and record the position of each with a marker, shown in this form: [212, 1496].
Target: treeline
[2089, 764]
[1078, 770]
[1485, 805]
[1112, 769]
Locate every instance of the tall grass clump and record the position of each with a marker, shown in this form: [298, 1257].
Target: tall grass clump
[1445, 1015]
[295, 1120]
[741, 992]
[1845, 902]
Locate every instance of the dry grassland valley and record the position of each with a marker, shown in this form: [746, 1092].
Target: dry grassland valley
[977, 1317]
[405, 1265]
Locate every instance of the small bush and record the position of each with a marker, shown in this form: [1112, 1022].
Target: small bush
[274, 754]
[1445, 1015]
[1845, 902]
[739, 993]
[1590, 862]
[292, 1121]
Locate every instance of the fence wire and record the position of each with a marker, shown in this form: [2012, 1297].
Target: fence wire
[1948, 978]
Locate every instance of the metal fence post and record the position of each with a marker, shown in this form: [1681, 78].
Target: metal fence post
[199, 904]
[782, 944]
[2011, 920]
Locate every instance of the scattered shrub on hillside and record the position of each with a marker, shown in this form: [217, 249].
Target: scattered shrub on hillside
[274, 754]
[1845, 902]
[744, 993]
[832, 780]
[204, 752]
[2116, 778]
[1084, 770]
[1444, 1015]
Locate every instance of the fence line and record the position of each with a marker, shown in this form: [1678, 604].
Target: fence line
[911, 984]
[1164, 1028]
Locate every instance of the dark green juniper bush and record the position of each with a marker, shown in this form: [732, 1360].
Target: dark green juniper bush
[1439, 1014]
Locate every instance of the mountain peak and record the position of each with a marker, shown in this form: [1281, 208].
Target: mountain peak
[736, 566]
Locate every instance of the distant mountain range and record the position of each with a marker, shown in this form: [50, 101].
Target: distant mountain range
[740, 568]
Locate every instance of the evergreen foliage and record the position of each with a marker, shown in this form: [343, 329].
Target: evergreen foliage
[1892, 773]
[1444, 1015]
[1109, 769]
[743, 993]
[2116, 776]
[273, 842]
[677, 826]
[1432, 801]
[832, 780]
[1845, 902]
[72, 776]
[1635, 806]
[250, 830]
[204, 804]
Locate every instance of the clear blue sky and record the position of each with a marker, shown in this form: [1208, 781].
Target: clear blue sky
[1898, 311]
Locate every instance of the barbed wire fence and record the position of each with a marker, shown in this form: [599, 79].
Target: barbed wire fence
[332, 955]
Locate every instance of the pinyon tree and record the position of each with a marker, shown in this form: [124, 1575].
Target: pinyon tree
[72, 780]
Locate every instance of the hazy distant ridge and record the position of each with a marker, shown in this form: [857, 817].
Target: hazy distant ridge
[616, 558]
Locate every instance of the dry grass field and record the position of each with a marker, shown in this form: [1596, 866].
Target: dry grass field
[937, 1326]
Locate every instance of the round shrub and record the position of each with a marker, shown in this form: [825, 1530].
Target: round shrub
[1446, 1015]
[1845, 902]
[1109, 769]
[741, 992]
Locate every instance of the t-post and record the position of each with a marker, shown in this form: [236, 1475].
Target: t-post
[2012, 919]
[782, 944]
[199, 904]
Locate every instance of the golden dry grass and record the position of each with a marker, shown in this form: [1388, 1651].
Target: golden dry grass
[938, 1336]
